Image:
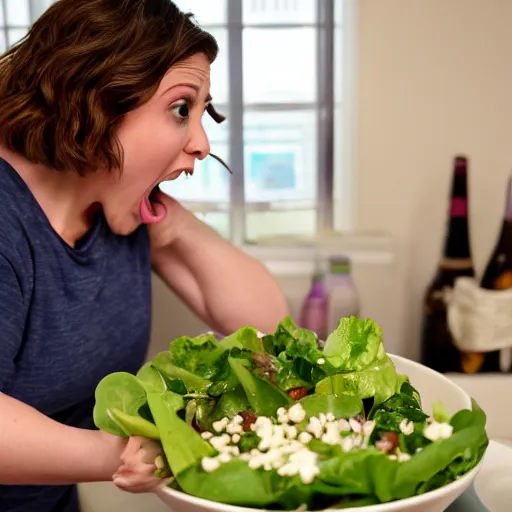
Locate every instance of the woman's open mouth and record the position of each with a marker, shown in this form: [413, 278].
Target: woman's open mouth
[151, 210]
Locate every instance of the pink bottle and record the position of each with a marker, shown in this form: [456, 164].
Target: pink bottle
[315, 309]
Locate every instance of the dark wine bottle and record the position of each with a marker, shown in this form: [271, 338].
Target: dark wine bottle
[498, 273]
[438, 350]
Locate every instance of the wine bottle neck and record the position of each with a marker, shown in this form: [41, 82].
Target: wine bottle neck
[457, 240]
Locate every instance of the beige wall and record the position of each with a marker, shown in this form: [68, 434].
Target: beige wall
[434, 77]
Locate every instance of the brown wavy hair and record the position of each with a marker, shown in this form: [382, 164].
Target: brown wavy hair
[83, 65]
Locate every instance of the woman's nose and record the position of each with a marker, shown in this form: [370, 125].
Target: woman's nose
[199, 145]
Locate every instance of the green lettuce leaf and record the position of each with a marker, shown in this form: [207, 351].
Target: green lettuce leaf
[354, 345]
[203, 356]
[379, 381]
[245, 338]
[164, 364]
[341, 406]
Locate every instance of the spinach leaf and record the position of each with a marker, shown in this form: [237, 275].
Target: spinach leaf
[204, 413]
[119, 397]
[352, 473]
[194, 384]
[263, 397]
[230, 404]
[133, 425]
[354, 345]
[151, 378]
[341, 406]
[234, 483]
[183, 446]
[467, 443]
[389, 414]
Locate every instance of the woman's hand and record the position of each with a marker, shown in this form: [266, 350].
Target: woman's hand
[142, 466]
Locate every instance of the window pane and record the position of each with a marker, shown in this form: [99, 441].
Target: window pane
[210, 181]
[280, 156]
[18, 13]
[218, 221]
[206, 12]
[1, 14]
[39, 6]
[219, 78]
[279, 65]
[266, 224]
[3, 44]
[279, 11]
[15, 34]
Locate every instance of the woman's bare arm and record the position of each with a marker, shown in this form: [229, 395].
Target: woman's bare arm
[35, 450]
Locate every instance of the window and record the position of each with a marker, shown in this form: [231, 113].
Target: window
[283, 80]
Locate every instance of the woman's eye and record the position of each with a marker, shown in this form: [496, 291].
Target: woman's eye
[182, 110]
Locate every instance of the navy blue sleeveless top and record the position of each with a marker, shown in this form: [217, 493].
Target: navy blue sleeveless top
[68, 317]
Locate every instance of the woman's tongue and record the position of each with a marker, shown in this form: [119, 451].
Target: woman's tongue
[151, 211]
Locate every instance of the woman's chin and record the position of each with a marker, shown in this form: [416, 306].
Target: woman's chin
[126, 226]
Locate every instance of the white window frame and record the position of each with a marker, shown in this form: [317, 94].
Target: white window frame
[335, 153]
[336, 136]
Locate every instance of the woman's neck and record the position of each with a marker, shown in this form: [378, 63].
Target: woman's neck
[68, 200]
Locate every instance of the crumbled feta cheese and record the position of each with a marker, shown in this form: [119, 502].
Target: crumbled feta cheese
[291, 431]
[224, 457]
[321, 361]
[436, 431]
[315, 427]
[368, 427]
[357, 440]
[233, 428]
[322, 418]
[305, 437]
[308, 473]
[400, 456]
[332, 434]
[303, 463]
[236, 438]
[206, 435]
[403, 457]
[347, 443]
[296, 413]
[406, 427]
[330, 416]
[283, 419]
[220, 426]
[220, 443]
[355, 425]
[210, 464]
[344, 425]
[281, 411]
[238, 420]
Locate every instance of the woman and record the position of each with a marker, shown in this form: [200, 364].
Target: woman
[98, 105]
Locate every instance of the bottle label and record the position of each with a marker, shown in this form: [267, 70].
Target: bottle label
[456, 264]
[459, 207]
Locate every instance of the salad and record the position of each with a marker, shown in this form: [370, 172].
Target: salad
[280, 422]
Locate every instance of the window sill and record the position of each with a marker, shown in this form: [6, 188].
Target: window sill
[296, 256]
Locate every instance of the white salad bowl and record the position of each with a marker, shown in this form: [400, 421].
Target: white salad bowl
[431, 386]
